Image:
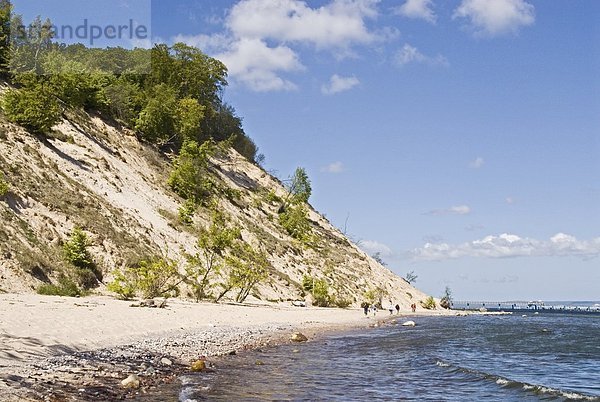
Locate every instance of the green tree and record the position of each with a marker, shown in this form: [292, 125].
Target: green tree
[188, 118]
[307, 283]
[156, 277]
[213, 244]
[123, 99]
[247, 268]
[190, 72]
[156, 121]
[293, 213]
[33, 107]
[295, 221]
[190, 177]
[371, 296]
[71, 81]
[377, 257]
[429, 303]
[411, 277]
[299, 189]
[124, 283]
[76, 252]
[222, 123]
[30, 44]
[76, 249]
[5, 45]
[446, 300]
[65, 288]
[320, 292]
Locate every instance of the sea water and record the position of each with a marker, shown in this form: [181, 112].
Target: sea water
[495, 358]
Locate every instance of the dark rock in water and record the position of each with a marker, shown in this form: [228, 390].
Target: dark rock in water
[232, 353]
[260, 363]
[299, 337]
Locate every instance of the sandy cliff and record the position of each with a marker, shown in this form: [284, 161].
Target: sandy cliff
[101, 178]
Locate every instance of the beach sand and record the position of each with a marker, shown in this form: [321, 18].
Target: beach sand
[56, 348]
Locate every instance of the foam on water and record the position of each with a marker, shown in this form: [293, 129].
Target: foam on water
[528, 388]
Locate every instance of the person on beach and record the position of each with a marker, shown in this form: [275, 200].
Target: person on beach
[397, 309]
[414, 307]
[365, 307]
[391, 308]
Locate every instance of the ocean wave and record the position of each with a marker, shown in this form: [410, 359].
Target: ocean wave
[526, 387]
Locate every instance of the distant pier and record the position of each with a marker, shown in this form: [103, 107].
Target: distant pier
[521, 307]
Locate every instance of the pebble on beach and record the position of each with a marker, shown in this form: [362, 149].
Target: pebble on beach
[198, 365]
[133, 381]
[299, 337]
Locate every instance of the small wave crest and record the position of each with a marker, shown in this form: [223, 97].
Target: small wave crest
[509, 383]
[190, 387]
[502, 381]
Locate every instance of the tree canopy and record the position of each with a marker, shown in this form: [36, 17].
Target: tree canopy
[167, 94]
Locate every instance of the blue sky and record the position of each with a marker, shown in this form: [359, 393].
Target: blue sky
[101, 14]
[458, 137]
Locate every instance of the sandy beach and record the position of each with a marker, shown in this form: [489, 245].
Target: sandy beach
[57, 348]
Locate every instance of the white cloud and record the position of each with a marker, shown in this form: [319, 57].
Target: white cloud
[510, 200]
[258, 44]
[372, 247]
[508, 245]
[460, 210]
[339, 84]
[337, 24]
[335, 167]
[410, 54]
[477, 163]
[419, 9]
[255, 64]
[457, 210]
[496, 17]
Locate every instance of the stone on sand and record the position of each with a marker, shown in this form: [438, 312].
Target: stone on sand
[198, 365]
[133, 381]
[299, 337]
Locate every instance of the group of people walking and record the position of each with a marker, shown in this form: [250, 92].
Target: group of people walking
[369, 308]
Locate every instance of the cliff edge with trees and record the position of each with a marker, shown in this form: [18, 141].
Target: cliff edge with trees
[123, 171]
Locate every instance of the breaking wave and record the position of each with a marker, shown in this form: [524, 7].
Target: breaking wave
[531, 389]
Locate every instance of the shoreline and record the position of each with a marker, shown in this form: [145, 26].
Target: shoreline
[81, 349]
